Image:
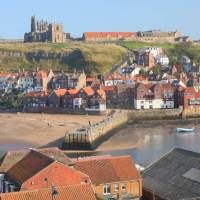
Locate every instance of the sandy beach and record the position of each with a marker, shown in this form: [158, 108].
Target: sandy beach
[40, 129]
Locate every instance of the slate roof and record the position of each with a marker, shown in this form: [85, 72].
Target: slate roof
[75, 192]
[55, 154]
[12, 157]
[108, 169]
[166, 177]
[28, 166]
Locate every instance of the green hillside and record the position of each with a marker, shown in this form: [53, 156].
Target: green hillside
[93, 57]
[173, 51]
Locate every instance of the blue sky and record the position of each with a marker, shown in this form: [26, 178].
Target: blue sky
[79, 16]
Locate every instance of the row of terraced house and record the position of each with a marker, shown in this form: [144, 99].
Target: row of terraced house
[61, 100]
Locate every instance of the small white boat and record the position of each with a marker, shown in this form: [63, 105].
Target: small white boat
[185, 129]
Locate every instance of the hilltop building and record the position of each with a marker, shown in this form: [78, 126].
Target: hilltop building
[159, 36]
[108, 36]
[42, 31]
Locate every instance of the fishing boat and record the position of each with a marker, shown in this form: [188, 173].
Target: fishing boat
[188, 130]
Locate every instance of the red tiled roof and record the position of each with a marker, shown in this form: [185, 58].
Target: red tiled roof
[60, 92]
[113, 76]
[189, 90]
[37, 94]
[109, 34]
[101, 93]
[108, 169]
[6, 75]
[72, 91]
[75, 192]
[36, 166]
[109, 88]
[90, 79]
[88, 90]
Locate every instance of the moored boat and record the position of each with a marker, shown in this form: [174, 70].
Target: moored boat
[185, 129]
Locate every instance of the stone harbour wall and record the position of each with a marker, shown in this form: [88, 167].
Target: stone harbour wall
[94, 134]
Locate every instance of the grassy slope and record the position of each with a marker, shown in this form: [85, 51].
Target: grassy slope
[96, 58]
[137, 45]
[171, 50]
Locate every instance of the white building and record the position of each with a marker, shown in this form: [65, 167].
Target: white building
[148, 104]
[130, 71]
[153, 50]
[154, 96]
[163, 60]
[25, 82]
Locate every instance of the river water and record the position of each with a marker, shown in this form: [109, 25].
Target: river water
[145, 142]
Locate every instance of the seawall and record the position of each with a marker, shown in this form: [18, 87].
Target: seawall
[138, 115]
[89, 138]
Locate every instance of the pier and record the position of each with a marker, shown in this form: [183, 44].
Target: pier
[91, 136]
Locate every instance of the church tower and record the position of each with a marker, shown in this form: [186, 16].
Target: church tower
[33, 24]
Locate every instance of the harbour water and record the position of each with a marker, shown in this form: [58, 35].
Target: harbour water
[145, 142]
[148, 142]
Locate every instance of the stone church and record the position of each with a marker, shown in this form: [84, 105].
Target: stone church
[42, 31]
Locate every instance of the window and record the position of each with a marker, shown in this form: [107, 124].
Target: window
[123, 186]
[106, 189]
[116, 187]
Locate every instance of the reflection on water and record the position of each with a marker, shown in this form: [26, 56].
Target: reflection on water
[156, 141]
[14, 146]
[156, 144]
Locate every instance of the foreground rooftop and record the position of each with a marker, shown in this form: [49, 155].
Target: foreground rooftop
[175, 176]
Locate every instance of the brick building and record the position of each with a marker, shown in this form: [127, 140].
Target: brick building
[145, 59]
[108, 36]
[37, 171]
[119, 96]
[112, 177]
[35, 101]
[153, 96]
[189, 98]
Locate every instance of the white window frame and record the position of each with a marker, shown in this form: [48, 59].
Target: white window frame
[106, 188]
[116, 187]
[123, 185]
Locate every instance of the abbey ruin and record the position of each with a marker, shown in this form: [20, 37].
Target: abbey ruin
[42, 31]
